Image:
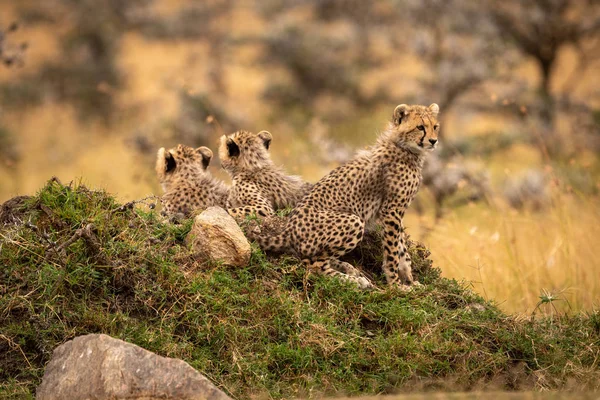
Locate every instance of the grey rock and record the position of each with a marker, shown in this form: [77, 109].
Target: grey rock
[100, 367]
[216, 236]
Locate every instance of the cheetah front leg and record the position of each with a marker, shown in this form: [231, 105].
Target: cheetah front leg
[396, 260]
[254, 204]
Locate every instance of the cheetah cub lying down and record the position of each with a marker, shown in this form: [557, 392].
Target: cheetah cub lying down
[258, 185]
[376, 186]
[188, 186]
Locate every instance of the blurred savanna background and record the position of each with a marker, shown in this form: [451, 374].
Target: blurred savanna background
[90, 89]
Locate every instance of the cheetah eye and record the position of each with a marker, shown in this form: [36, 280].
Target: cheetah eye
[436, 127]
[421, 128]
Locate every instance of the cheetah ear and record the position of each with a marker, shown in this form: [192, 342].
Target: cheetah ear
[170, 162]
[232, 148]
[206, 154]
[434, 108]
[266, 138]
[399, 113]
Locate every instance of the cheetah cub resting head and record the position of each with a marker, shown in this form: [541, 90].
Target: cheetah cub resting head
[259, 186]
[377, 186]
[187, 184]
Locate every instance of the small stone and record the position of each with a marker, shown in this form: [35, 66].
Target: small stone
[476, 307]
[216, 236]
[100, 367]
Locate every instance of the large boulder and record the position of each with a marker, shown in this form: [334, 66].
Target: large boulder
[100, 367]
[216, 236]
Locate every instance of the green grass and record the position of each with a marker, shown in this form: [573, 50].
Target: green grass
[270, 329]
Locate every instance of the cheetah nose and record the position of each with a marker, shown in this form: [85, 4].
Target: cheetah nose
[433, 141]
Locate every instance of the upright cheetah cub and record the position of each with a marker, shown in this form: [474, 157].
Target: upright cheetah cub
[258, 185]
[188, 186]
[376, 186]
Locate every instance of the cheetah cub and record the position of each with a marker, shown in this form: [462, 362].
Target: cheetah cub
[376, 186]
[258, 185]
[188, 186]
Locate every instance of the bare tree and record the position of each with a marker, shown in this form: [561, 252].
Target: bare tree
[541, 28]
[459, 44]
[325, 55]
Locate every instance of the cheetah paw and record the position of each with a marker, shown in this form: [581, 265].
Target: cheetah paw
[401, 286]
[364, 283]
[404, 288]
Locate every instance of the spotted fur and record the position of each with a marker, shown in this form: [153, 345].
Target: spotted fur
[187, 184]
[258, 186]
[377, 186]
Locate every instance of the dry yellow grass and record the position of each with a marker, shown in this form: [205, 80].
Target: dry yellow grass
[515, 257]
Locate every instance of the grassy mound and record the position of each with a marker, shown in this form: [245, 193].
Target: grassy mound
[74, 261]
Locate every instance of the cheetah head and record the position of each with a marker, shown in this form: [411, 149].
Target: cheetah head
[415, 127]
[245, 151]
[181, 162]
